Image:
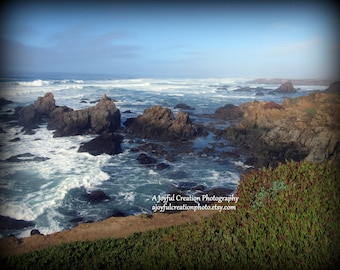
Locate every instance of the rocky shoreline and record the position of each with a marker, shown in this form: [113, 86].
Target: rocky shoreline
[261, 133]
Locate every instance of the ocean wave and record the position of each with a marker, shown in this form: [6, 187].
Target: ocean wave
[36, 190]
[34, 83]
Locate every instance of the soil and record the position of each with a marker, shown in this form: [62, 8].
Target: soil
[114, 227]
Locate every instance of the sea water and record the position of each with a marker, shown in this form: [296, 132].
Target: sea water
[48, 181]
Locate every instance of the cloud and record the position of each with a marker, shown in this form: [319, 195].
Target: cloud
[72, 50]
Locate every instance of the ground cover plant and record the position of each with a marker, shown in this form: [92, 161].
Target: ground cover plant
[286, 218]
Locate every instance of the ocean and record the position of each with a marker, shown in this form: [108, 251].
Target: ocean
[48, 179]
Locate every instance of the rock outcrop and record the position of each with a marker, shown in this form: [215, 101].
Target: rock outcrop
[286, 87]
[159, 123]
[97, 196]
[103, 144]
[334, 88]
[103, 117]
[184, 107]
[8, 223]
[308, 124]
[228, 112]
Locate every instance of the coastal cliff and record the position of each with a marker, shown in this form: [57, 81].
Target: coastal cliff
[307, 127]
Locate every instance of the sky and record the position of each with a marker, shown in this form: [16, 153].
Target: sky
[175, 39]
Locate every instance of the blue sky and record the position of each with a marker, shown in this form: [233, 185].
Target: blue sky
[172, 40]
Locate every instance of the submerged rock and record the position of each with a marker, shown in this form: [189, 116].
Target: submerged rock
[8, 223]
[184, 107]
[97, 196]
[145, 159]
[4, 102]
[162, 166]
[103, 144]
[25, 158]
[36, 232]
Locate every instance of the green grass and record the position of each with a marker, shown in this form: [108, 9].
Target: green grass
[286, 218]
[311, 111]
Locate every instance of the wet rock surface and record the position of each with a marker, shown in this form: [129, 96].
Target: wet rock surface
[103, 144]
[184, 107]
[8, 223]
[97, 196]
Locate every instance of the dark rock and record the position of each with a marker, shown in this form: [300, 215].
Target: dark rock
[8, 223]
[162, 166]
[36, 232]
[145, 159]
[77, 220]
[208, 150]
[286, 87]
[159, 123]
[95, 101]
[198, 188]
[201, 130]
[4, 102]
[104, 117]
[12, 118]
[228, 112]
[15, 139]
[219, 192]
[128, 111]
[295, 81]
[117, 213]
[103, 144]
[45, 105]
[334, 88]
[30, 118]
[170, 156]
[153, 148]
[40, 159]
[244, 89]
[186, 185]
[97, 196]
[222, 88]
[25, 158]
[184, 106]
[178, 175]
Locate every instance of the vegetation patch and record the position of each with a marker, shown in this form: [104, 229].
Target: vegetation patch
[311, 111]
[286, 218]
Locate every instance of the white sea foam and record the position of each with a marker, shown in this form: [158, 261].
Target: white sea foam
[35, 83]
[36, 190]
[64, 170]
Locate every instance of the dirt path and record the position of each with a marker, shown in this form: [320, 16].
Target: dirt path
[115, 227]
